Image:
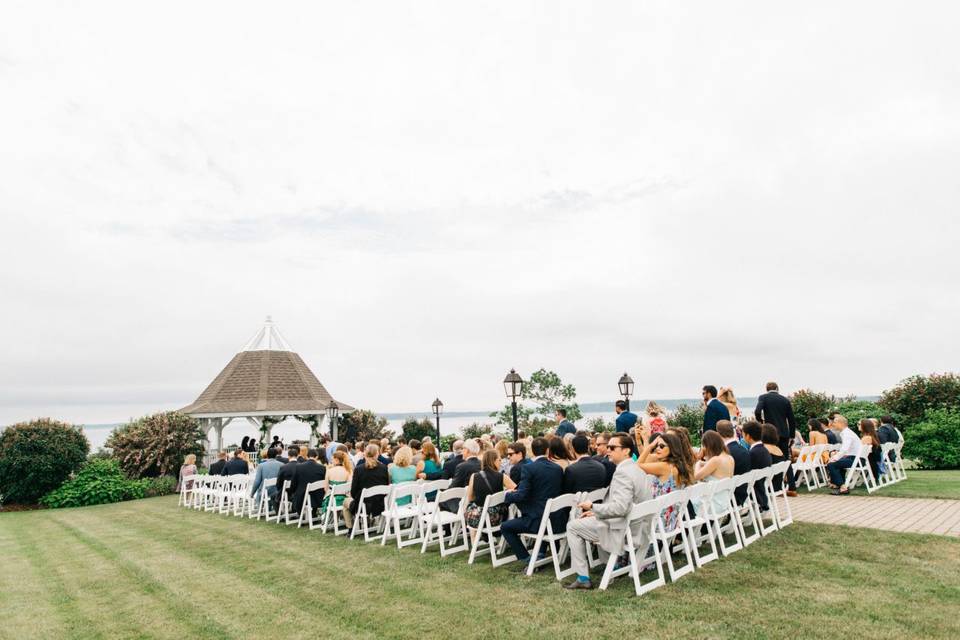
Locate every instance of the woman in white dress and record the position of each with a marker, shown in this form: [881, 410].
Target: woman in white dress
[714, 464]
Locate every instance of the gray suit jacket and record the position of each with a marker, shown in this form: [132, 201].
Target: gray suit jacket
[630, 486]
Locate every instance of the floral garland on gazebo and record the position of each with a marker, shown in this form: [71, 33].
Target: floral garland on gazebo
[268, 421]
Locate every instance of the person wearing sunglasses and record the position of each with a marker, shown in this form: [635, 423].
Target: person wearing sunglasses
[604, 524]
[662, 457]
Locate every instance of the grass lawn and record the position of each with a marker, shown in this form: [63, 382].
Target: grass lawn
[149, 569]
[919, 484]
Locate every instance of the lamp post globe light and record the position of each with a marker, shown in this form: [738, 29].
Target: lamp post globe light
[626, 388]
[513, 385]
[333, 410]
[437, 410]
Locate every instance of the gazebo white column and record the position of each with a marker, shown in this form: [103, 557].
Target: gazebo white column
[218, 426]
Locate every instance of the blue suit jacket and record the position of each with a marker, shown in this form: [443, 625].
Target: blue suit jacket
[626, 421]
[539, 481]
[564, 428]
[714, 412]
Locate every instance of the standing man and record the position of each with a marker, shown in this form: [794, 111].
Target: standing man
[713, 409]
[777, 410]
[625, 419]
[605, 524]
[564, 426]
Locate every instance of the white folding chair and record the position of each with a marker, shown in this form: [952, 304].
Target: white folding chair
[804, 469]
[263, 503]
[765, 478]
[283, 508]
[558, 554]
[361, 520]
[779, 470]
[723, 506]
[665, 535]
[239, 494]
[396, 514]
[484, 538]
[888, 474]
[334, 512]
[306, 511]
[435, 520]
[861, 470]
[700, 496]
[593, 497]
[645, 515]
[901, 470]
[218, 493]
[749, 508]
[185, 494]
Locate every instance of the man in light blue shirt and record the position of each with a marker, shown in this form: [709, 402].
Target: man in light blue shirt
[267, 469]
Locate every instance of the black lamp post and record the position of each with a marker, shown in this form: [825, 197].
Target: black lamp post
[513, 385]
[626, 388]
[437, 410]
[333, 410]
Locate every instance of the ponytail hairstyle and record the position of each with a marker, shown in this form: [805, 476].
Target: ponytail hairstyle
[370, 455]
[344, 460]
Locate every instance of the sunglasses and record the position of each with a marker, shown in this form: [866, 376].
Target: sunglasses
[659, 446]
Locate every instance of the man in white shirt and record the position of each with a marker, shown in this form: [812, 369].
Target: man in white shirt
[845, 457]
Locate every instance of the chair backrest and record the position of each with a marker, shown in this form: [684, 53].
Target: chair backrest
[806, 453]
[744, 479]
[403, 490]
[780, 467]
[370, 492]
[453, 493]
[679, 500]
[818, 453]
[865, 450]
[597, 495]
[340, 489]
[314, 486]
[701, 490]
[435, 485]
[649, 507]
[565, 501]
[494, 499]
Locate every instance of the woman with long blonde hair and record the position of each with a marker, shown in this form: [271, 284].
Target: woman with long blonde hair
[188, 468]
[403, 470]
[654, 418]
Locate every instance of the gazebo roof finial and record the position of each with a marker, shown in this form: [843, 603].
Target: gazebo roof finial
[268, 338]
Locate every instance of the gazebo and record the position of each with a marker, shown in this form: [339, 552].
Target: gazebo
[264, 384]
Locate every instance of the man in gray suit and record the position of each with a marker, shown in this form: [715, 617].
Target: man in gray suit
[605, 524]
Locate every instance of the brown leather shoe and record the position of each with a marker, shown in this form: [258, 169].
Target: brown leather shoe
[792, 494]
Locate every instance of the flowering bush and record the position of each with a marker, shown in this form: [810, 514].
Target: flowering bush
[37, 456]
[913, 397]
[156, 445]
[934, 442]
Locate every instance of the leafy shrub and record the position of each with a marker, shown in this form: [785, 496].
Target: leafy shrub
[811, 404]
[690, 417]
[156, 445]
[934, 443]
[446, 442]
[476, 430]
[36, 457]
[599, 425]
[97, 482]
[913, 397]
[414, 429]
[362, 425]
[856, 410]
[162, 486]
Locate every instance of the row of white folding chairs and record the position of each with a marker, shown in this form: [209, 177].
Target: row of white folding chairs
[224, 494]
[685, 535]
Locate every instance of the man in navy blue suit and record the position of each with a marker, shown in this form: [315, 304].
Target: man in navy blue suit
[540, 480]
[626, 419]
[564, 426]
[714, 410]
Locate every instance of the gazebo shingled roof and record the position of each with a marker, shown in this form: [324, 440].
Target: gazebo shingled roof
[263, 382]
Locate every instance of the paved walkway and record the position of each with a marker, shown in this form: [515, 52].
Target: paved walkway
[914, 515]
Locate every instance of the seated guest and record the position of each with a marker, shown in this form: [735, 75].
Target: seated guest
[564, 426]
[888, 433]
[429, 467]
[662, 458]
[237, 465]
[817, 436]
[286, 473]
[868, 433]
[845, 457]
[601, 443]
[759, 459]
[416, 447]
[715, 463]
[267, 469]
[603, 524]
[402, 470]
[741, 457]
[503, 450]
[483, 483]
[281, 456]
[188, 468]
[470, 464]
[302, 453]
[384, 456]
[686, 449]
[584, 474]
[558, 453]
[216, 469]
[517, 451]
[539, 481]
[310, 470]
[372, 473]
[450, 466]
[338, 472]
[770, 437]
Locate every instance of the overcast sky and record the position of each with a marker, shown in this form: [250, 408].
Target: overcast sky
[424, 195]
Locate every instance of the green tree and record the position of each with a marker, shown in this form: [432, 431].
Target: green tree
[934, 442]
[37, 456]
[808, 403]
[547, 392]
[414, 429]
[476, 430]
[362, 425]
